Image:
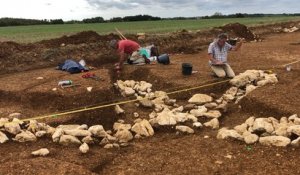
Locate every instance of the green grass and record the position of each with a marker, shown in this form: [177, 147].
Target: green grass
[26, 34]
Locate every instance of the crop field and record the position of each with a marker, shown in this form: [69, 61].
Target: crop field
[28, 34]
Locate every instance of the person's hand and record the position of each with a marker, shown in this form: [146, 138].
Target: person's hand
[241, 40]
[117, 66]
[217, 62]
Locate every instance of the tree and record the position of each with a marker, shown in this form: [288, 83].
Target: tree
[94, 20]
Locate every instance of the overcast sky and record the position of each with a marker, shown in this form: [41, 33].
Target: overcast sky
[80, 9]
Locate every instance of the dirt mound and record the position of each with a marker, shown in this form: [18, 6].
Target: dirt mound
[238, 30]
[8, 48]
[79, 38]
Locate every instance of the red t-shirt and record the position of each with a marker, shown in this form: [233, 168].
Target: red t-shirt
[127, 46]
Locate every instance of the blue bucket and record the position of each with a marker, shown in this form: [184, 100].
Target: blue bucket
[187, 68]
[163, 59]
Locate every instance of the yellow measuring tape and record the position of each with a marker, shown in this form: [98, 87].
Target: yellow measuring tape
[117, 103]
[129, 101]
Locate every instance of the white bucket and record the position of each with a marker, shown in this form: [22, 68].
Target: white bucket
[82, 63]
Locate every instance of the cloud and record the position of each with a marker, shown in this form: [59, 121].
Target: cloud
[133, 4]
[257, 6]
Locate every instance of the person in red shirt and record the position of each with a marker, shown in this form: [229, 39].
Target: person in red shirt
[125, 49]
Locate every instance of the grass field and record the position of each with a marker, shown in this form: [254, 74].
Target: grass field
[26, 34]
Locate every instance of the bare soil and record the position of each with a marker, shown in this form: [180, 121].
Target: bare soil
[165, 152]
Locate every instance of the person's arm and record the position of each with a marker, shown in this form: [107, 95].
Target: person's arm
[238, 45]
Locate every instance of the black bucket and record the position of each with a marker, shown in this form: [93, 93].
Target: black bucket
[232, 42]
[163, 59]
[187, 69]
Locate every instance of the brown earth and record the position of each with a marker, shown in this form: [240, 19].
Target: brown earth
[165, 152]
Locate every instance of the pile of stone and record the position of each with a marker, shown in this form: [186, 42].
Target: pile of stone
[168, 113]
[165, 113]
[82, 135]
[136, 88]
[248, 81]
[290, 30]
[267, 131]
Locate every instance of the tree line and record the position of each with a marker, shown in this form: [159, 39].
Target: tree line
[21, 21]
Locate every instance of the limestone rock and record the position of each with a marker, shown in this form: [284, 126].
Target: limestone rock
[136, 115]
[197, 125]
[232, 91]
[40, 134]
[182, 117]
[166, 117]
[213, 114]
[25, 136]
[111, 138]
[211, 105]
[171, 102]
[281, 130]
[250, 88]
[88, 140]
[152, 115]
[33, 126]
[223, 106]
[129, 91]
[3, 121]
[179, 109]
[143, 86]
[262, 125]
[12, 128]
[251, 138]
[83, 127]
[275, 141]
[109, 146]
[120, 126]
[294, 129]
[68, 140]
[97, 131]
[161, 94]
[57, 134]
[124, 135]
[15, 115]
[84, 148]
[200, 99]
[50, 130]
[199, 111]
[3, 137]
[104, 141]
[129, 83]
[250, 121]
[41, 152]
[214, 123]
[189, 107]
[146, 103]
[228, 97]
[293, 117]
[245, 78]
[143, 128]
[283, 120]
[296, 142]
[16, 120]
[225, 133]
[185, 129]
[68, 127]
[119, 110]
[78, 132]
[241, 128]
[269, 79]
